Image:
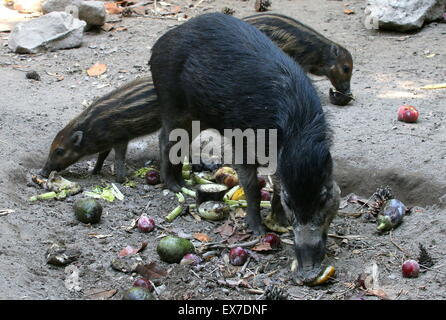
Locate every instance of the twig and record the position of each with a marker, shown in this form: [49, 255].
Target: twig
[348, 237]
[245, 265]
[195, 274]
[230, 246]
[396, 245]
[198, 3]
[255, 291]
[432, 269]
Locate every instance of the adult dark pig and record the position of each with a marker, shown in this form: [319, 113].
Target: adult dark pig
[314, 52]
[226, 74]
[108, 123]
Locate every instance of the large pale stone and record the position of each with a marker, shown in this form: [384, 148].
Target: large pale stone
[402, 15]
[53, 31]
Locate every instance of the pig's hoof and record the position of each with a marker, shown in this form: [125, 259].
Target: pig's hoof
[256, 228]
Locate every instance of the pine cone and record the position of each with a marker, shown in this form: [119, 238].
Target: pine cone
[424, 259]
[275, 293]
[228, 11]
[262, 5]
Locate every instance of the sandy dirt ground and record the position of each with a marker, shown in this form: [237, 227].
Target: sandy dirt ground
[371, 149]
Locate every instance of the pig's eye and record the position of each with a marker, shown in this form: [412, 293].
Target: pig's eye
[59, 151]
[346, 69]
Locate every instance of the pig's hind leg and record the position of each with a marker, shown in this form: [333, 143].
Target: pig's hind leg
[120, 152]
[249, 181]
[171, 173]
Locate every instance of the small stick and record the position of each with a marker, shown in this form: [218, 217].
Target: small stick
[349, 237]
[245, 265]
[255, 291]
[396, 245]
[195, 274]
[198, 3]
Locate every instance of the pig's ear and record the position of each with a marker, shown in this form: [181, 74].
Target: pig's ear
[76, 138]
[335, 50]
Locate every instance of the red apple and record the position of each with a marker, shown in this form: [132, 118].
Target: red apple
[153, 177]
[272, 239]
[143, 283]
[238, 256]
[407, 113]
[265, 195]
[146, 224]
[410, 269]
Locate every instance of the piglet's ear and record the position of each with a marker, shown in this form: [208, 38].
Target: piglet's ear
[335, 50]
[76, 138]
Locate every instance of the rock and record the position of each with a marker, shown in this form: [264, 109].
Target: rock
[402, 16]
[59, 5]
[28, 6]
[53, 31]
[92, 12]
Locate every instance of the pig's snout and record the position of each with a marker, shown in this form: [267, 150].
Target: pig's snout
[309, 258]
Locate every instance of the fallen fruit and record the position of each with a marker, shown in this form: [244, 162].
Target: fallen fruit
[238, 256]
[210, 192]
[143, 283]
[407, 113]
[324, 276]
[410, 269]
[191, 259]
[213, 210]
[272, 239]
[146, 224]
[88, 210]
[265, 195]
[239, 195]
[391, 216]
[338, 98]
[152, 176]
[262, 182]
[172, 249]
[226, 176]
[138, 293]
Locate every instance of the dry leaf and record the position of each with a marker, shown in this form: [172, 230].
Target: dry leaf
[151, 271]
[97, 69]
[380, 293]
[127, 251]
[112, 8]
[107, 27]
[349, 11]
[225, 230]
[175, 9]
[238, 237]
[202, 237]
[262, 246]
[121, 29]
[100, 294]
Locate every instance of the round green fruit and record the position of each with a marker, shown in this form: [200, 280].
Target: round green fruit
[172, 249]
[88, 210]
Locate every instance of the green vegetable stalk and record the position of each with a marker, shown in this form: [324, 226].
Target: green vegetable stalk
[188, 192]
[174, 214]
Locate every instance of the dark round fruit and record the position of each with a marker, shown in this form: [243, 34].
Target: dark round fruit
[172, 249]
[410, 269]
[153, 177]
[143, 283]
[88, 210]
[138, 293]
[265, 195]
[238, 256]
[272, 239]
[146, 224]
